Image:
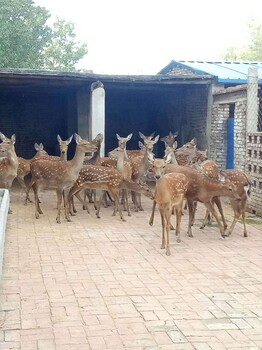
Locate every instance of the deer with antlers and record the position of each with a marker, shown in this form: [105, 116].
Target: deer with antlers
[170, 192]
[8, 165]
[58, 175]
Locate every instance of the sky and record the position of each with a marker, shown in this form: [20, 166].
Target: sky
[129, 37]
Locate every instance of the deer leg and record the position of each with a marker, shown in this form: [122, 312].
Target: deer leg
[21, 181]
[220, 209]
[127, 203]
[168, 213]
[140, 202]
[205, 222]
[178, 220]
[98, 206]
[210, 207]
[190, 206]
[237, 212]
[115, 196]
[162, 215]
[59, 203]
[243, 210]
[151, 221]
[37, 206]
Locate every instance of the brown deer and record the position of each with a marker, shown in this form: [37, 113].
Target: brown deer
[202, 188]
[169, 194]
[8, 165]
[106, 179]
[125, 169]
[169, 140]
[243, 184]
[63, 146]
[59, 175]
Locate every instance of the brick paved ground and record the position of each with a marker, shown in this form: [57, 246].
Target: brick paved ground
[104, 284]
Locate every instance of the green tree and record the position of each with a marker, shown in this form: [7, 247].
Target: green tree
[27, 41]
[253, 51]
[63, 52]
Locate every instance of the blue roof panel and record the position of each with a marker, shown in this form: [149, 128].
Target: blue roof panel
[226, 72]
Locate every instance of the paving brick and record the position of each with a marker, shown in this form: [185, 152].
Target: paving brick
[105, 284]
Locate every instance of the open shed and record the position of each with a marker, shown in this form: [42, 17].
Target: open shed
[38, 105]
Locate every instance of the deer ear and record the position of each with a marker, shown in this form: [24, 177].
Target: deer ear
[140, 144]
[141, 135]
[69, 139]
[175, 134]
[59, 138]
[156, 139]
[175, 145]
[2, 136]
[77, 138]
[41, 147]
[194, 141]
[36, 146]
[152, 135]
[13, 139]
[129, 137]
[118, 137]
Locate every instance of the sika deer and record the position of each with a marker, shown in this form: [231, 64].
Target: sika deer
[63, 146]
[8, 165]
[169, 194]
[60, 175]
[125, 169]
[107, 179]
[202, 189]
[24, 164]
[243, 184]
[169, 140]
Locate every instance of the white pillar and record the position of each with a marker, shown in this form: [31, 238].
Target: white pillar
[97, 112]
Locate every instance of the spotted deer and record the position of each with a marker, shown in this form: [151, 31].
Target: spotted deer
[8, 164]
[202, 188]
[63, 146]
[243, 185]
[106, 179]
[170, 139]
[170, 192]
[58, 175]
[125, 169]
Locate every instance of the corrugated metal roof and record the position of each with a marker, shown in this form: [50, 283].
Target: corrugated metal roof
[225, 72]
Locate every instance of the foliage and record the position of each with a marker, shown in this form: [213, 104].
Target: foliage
[253, 51]
[27, 41]
[63, 52]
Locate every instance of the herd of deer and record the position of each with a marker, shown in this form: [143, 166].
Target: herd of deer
[184, 174]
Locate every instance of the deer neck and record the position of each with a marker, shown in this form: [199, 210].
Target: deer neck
[162, 194]
[96, 155]
[12, 157]
[63, 156]
[173, 159]
[77, 162]
[120, 165]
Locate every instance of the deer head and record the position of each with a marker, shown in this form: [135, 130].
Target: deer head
[169, 139]
[123, 140]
